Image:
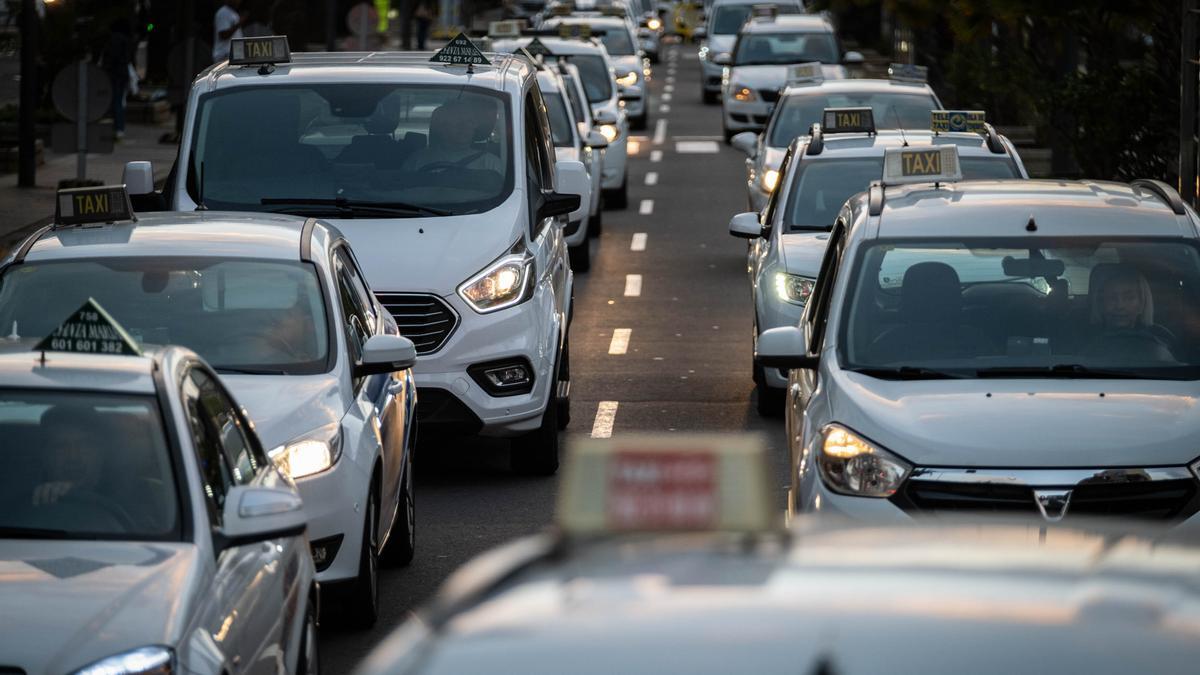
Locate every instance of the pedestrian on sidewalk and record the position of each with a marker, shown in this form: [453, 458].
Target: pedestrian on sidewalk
[424, 14]
[117, 61]
[227, 24]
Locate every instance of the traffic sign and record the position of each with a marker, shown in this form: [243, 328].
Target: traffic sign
[65, 92]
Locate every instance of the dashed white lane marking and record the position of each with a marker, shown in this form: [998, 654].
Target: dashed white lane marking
[620, 341]
[646, 207]
[669, 88]
[664, 108]
[670, 79]
[638, 243]
[652, 178]
[696, 147]
[633, 285]
[660, 132]
[656, 155]
[606, 414]
[665, 97]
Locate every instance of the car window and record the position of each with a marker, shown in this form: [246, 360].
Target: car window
[205, 430]
[358, 285]
[577, 105]
[597, 80]
[891, 110]
[775, 48]
[242, 455]
[560, 122]
[352, 314]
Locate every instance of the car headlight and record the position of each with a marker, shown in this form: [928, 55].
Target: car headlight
[504, 283]
[310, 454]
[770, 178]
[628, 79]
[654, 24]
[853, 466]
[743, 94]
[154, 660]
[793, 288]
[610, 132]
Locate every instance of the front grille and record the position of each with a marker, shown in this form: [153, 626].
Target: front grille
[769, 95]
[1169, 500]
[425, 319]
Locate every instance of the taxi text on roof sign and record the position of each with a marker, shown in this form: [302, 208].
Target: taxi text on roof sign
[538, 48]
[254, 51]
[461, 51]
[666, 483]
[921, 165]
[103, 204]
[90, 330]
[957, 120]
[574, 30]
[805, 73]
[907, 72]
[848, 120]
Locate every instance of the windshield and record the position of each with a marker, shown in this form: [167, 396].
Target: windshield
[438, 147]
[85, 466]
[981, 308]
[728, 19]
[821, 187]
[617, 41]
[891, 110]
[239, 315]
[560, 123]
[779, 48]
[597, 80]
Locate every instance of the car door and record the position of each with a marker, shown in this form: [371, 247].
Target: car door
[546, 240]
[250, 589]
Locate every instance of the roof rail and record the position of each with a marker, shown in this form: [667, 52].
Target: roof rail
[1162, 191]
[817, 144]
[993, 140]
[875, 198]
[30, 241]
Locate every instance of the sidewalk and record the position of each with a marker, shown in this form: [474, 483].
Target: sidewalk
[24, 209]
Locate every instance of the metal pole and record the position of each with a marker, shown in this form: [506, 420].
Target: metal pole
[364, 25]
[1189, 101]
[330, 25]
[27, 143]
[81, 128]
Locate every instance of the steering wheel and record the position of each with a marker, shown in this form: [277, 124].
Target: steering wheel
[441, 167]
[92, 500]
[1134, 343]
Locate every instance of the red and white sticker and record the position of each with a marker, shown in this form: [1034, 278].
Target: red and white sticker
[662, 491]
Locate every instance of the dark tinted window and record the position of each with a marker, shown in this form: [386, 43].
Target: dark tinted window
[560, 124]
[776, 48]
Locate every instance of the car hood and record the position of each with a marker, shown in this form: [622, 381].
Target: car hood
[802, 252]
[1026, 423]
[774, 76]
[283, 407]
[721, 44]
[432, 255]
[65, 604]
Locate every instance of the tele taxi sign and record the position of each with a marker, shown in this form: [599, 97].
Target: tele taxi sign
[666, 483]
[103, 204]
[254, 51]
[567, 31]
[461, 52]
[957, 120]
[848, 120]
[90, 330]
[805, 73]
[921, 165]
[538, 48]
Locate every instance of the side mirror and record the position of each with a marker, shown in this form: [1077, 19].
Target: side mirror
[747, 142]
[746, 225]
[571, 181]
[632, 92]
[384, 354]
[138, 178]
[256, 513]
[722, 59]
[783, 347]
[852, 58]
[596, 140]
[699, 32]
[604, 117]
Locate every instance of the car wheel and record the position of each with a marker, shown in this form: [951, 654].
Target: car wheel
[769, 400]
[708, 96]
[402, 543]
[364, 596]
[581, 256]
[729, 134]
[639, 123]
[536, 453]
[596, 222]
[309, 662]
[618, 198]
[563, 393]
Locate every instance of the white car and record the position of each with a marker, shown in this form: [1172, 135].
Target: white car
[629, 63]
[278, 307]
[587, 124]
[725, 19]
[143, 529]
[788, 237]
[1025, 348]
[758, 65]
[442, 176]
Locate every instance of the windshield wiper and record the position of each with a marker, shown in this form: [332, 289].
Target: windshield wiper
[352, 206]
[237, 370]
[1064, 370]
[907, 373]
[16, 532]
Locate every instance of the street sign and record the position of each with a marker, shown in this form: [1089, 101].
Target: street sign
[65, 92]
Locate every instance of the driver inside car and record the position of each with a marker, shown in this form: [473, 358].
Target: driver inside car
[454, 130]
[1122, 306]
[73, 462]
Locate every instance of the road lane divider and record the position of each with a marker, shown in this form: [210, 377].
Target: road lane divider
[656, 155]
[633, 285]
[646, 207]
[652, 178]
[638, 243]
[620, 341]
[660, 132]
[606, 415]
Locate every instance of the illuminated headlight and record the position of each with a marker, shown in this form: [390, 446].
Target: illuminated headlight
[628, 79]
[503, 284]
[309, 454]
[793, 288]
[853, 466]
[654, 24]
[142, 661]
[610, 132]
[743, 94]
[770, 178]
[704, 53]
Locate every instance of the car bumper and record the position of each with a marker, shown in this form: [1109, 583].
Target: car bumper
[333, 504]
[613, 173]
[635, 107]
[745, 116]
[770, 312]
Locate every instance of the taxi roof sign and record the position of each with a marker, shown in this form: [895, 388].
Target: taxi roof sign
[460, 51]
[764, 11]
[806, 73]
[90, 330]
[509, 28]
[921, 165]
[567, 31]
[538, 48]
[259, 51]
[907, 72]
[848, 120]
[666, 483]
[957, 120]
[102, 204]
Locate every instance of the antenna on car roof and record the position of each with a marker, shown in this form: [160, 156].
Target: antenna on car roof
[200, 190]
[900, 128]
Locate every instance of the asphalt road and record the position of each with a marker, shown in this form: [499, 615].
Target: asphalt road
[686, 366]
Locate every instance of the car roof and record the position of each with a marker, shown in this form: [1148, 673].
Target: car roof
[388, 67]
[596, 20]
[721, 3]
[998, 208]
[193, 233]
[858, 86]
[20, 367]
[789, 23]
[558, 46]
[842, 146]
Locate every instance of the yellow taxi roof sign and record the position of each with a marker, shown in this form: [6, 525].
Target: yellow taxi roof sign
[805, 73]
[259, 51]
[957, 120]
[509, 28]
[848, 120]
[666, 483]
[921, 165]
[86, 205]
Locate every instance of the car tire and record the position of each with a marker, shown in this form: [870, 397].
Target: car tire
[596, 222]
[562, 397]
[309, 660]
[581, 256]
[536, 453]
[363, 603]
[402, 542]
[768, 400]
[618, 198]
[729, 134]
[639, 123]
[708, 97]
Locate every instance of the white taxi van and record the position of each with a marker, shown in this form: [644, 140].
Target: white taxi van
[1015, 347]
[441, 173]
